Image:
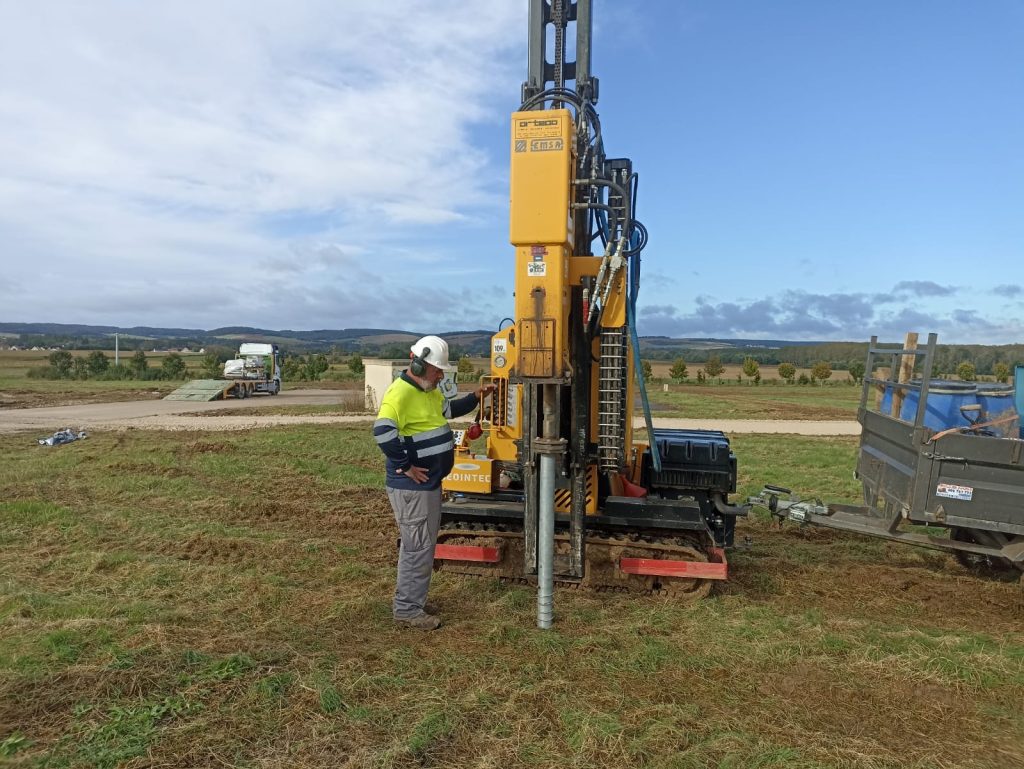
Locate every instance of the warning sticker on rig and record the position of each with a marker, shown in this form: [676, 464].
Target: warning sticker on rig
[952, 491]
[536, 269]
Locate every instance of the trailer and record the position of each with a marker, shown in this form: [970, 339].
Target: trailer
[255, 369]
[937, 470]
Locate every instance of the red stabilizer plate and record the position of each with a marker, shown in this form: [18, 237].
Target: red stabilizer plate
[716, 568]
[467, 553]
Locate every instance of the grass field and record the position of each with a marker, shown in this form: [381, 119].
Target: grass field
[725, 401]
[209, 599]
[754, 402]
[18, 390]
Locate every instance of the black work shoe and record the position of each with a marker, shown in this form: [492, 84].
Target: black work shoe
[421, 621]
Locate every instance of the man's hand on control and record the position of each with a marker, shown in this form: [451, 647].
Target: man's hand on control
[418, 474]
[484, 390]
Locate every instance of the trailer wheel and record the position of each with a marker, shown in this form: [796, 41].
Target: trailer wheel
[983, 565]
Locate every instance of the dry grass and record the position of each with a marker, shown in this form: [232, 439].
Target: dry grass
[350, 401]
[193, 599]
[754, 402]
[17, 390]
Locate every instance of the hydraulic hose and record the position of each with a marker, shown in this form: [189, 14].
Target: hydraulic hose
[633, 289]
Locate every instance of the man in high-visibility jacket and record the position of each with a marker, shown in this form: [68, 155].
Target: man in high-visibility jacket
[412, 430]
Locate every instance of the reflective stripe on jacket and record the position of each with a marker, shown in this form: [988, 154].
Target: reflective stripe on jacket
[412, 429]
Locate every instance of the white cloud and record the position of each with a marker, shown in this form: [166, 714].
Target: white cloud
[802, 315]
[147, 150]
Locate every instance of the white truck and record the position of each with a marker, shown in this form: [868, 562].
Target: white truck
[256, 369]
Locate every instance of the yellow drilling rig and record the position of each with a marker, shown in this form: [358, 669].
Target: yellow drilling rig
[562, 492]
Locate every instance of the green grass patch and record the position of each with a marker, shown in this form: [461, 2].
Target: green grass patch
[224, 599]
[713, 401]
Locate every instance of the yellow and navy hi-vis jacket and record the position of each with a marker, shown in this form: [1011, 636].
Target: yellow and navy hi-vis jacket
[412, 429]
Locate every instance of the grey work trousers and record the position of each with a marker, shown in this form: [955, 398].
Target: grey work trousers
[418, 515]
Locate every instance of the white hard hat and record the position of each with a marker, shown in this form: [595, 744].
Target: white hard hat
[433, 350]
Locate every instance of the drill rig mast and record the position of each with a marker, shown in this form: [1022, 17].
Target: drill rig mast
[561, 471]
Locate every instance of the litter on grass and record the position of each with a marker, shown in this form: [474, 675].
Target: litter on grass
[64, 435]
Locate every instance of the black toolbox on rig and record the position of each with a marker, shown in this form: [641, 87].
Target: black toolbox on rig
[691, 460]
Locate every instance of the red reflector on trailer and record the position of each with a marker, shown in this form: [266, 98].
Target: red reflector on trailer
[717, 568]
[467, 553]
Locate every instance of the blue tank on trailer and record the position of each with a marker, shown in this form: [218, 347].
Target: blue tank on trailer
[945, 398]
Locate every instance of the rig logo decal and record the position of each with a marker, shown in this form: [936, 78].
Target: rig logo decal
[546, 145]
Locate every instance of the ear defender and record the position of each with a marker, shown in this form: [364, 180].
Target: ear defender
[418, 366]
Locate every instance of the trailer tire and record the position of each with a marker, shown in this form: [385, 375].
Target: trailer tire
[981, 565]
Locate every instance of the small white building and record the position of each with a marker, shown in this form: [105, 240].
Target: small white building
[379, 373]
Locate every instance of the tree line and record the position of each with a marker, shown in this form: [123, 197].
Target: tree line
[61, 364]
[713, 368]
[985, 359]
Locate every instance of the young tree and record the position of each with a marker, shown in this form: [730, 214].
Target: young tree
[647, 372]
[292, 368]
[1001, 372]
[966, 371]
[700, 377]
[787, 371]
[713, 366]
[211, 366]
[856, 369]
[316, 366]
[173, 367]
[97, 362]
[678, 371]
[465, 368]
[80, 369]
[821, 371]
[355, 364]
[751, 368]
[139, 365]
[62, 363]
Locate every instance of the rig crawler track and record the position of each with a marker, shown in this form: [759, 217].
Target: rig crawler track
[614, 562]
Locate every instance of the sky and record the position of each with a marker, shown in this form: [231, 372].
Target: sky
[808, 170]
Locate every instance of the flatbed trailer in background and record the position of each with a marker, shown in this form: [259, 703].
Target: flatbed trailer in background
[257, 369]
[967, 481]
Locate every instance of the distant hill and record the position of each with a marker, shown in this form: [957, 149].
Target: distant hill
[367, 341]
[394, 343]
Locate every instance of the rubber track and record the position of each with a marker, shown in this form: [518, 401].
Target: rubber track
[602, 553]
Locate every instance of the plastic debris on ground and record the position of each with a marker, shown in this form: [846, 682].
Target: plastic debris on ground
[62, 436]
